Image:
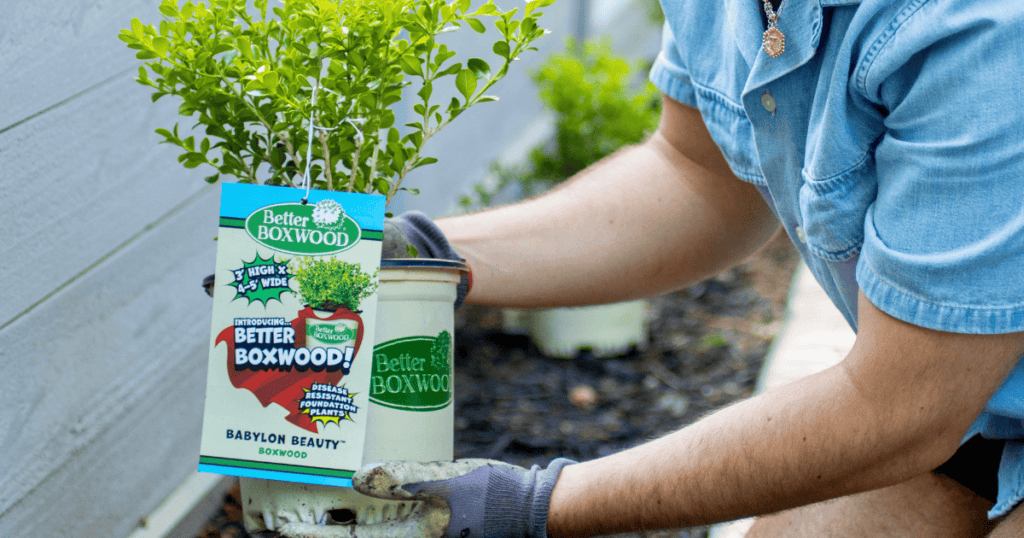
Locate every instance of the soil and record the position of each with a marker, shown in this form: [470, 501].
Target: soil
[705, 350]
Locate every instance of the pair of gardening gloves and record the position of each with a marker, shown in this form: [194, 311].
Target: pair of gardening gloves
[466, 498]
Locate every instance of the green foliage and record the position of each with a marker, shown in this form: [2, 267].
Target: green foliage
[246, 73]
[440, 352]
[330, 283]
[599, 107]
[713, 340]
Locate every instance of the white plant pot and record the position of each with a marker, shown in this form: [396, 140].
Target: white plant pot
[606, 330]
[411, 411]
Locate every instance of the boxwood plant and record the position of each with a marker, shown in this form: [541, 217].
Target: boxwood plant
[252, 73]
[330, 284]
[600, 102]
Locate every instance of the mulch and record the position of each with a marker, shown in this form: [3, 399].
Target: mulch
[706, 346]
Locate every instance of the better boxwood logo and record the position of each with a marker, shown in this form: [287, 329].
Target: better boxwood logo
[296, 228]
[413, 373]
[332, 334]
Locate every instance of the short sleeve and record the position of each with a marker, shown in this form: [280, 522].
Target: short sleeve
[668, 74]
[944, 239]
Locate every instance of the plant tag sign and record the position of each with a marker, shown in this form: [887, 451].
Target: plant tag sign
[291, 348]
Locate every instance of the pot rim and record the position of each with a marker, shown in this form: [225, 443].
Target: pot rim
[423, 263]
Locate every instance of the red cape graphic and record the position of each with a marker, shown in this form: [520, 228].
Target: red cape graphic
[285, 388]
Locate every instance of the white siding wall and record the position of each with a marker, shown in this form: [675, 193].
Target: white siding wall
[104, 240]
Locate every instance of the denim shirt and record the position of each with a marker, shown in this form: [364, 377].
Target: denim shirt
[888, 138]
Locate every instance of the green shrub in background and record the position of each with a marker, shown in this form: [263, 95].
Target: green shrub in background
[601, 103]
[330, 284]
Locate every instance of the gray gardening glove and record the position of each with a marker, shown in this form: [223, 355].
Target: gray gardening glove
[415, 229]
[471, 498]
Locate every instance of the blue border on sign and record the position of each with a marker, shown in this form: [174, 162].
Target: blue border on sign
[276, 475]
[366, 209]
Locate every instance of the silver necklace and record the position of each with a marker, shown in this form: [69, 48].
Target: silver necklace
[773, 40]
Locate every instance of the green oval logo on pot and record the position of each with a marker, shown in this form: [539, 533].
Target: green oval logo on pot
[413, 373]
[309, 229]
[331, 334]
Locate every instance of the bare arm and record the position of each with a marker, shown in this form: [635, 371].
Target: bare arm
[896, 407]
[646, 220]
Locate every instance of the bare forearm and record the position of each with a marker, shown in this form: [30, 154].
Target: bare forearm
[763, 455]
[895, 408]
[644, 221]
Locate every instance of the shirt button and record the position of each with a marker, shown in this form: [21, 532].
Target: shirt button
[800, 234]
[768, 102]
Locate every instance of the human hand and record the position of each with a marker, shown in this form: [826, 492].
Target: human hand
[415, 229]
[465, 498]
[413, 235]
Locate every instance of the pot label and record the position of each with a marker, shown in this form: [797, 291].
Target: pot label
[330, 334]
[288, 383]
[413, 373]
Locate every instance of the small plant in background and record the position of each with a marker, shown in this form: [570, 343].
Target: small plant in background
[330, 284]
[254, 76]
[599, 107]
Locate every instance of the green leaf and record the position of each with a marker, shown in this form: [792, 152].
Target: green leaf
[479, 67]
[501, 48]
[476, 25]
[486, 9]
[137, 28]
[426, 91]
[146, 55]
[382, 185]
[450, 70]
[193, 160]
[465, 82]
[270, 80]
[411, 65]
[245, 47]
[302, 23]
[530, 6]
[169, 10]
[161, 45]
[425, 161]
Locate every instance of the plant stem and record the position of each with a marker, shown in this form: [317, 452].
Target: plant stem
[327, 161]
[355, 161]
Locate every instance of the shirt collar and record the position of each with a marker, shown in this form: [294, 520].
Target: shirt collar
[799, 20]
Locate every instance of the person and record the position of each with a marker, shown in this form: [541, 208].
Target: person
[886, 138]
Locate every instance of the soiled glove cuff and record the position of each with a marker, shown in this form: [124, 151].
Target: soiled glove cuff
[421, 232]
[533, 488]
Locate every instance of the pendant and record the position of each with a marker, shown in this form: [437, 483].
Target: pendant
[773, 42]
